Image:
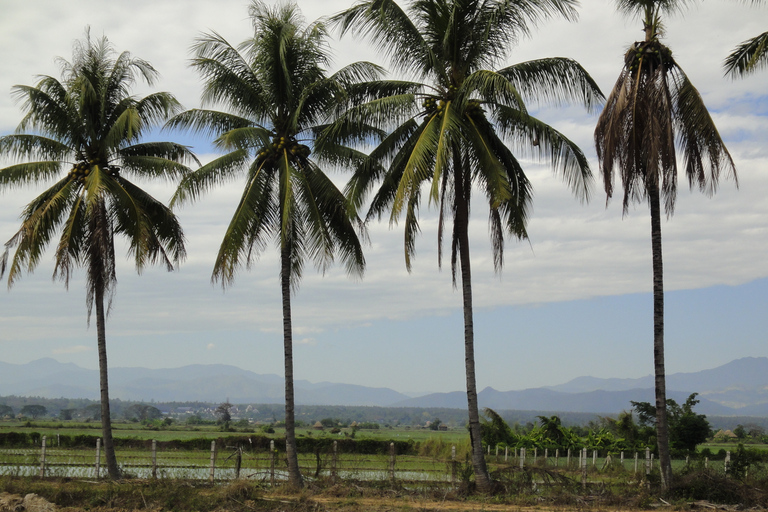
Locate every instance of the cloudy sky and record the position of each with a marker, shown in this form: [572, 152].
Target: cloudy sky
[574, 301]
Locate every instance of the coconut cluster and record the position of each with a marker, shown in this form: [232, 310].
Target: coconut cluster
[79, 171]
[432, 105]
[280, 144]
[650, 55]
[83, 168]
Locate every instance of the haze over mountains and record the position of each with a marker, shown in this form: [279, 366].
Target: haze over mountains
[736, 388]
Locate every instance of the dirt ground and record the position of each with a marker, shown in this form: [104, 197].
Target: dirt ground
[292, 503]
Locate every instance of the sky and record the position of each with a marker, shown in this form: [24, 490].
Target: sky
[574, 300]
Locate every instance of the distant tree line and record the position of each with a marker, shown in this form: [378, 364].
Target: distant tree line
[622, 433]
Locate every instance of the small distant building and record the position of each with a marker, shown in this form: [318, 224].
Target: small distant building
[317, 426]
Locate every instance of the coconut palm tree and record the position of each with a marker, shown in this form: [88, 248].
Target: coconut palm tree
[449, 130]
[277, 97]
[652, 105]
[89, 128]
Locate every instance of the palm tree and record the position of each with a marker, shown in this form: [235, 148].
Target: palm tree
[448, 131]
[278, 97]
[91, 127]
[653, 104]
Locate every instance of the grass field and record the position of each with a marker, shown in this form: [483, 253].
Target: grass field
[184, 432]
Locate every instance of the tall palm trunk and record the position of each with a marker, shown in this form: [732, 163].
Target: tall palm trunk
[106, 418]
[482, 478]
[294, 474]
[99, 253]
[662, 431]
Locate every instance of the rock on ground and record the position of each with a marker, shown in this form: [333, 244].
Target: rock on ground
[29, 503]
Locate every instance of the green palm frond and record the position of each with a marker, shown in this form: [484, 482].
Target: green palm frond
[207, 122]
[28, 173]
[391, 30]
[217, 172]
[40, 221]
[748, 57]
[539, 139]
[554, 81]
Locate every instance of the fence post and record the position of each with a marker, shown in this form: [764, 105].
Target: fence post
[535, 456]
[546, 455]
[726, 463]
[584, 468]
[557, 457]
[706, 462]
[522, 458]
[568, 461]
[97, 469]
[647, 461]
[497, 453]
[622, 459]
[213, 460]
[238, 462]
[272, 463]
[42, 459]
[154, 459]
[334, 460]
[453, 464]
[392, 461]
[594, 457]
[506, 453]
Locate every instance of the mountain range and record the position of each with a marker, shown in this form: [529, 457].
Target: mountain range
[736, 388]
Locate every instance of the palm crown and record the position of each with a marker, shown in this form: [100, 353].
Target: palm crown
[278, 97]
[451, 128]
[90, 127]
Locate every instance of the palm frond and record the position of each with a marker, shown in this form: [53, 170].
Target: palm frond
[554, 81]
[748, 57]
[219, 171]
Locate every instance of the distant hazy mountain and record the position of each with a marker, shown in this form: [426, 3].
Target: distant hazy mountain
[737, 388]
[207, 383]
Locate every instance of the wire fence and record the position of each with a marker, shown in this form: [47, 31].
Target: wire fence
[226, 463]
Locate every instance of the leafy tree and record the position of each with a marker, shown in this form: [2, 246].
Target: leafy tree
[224, 413]
[278, 98]
[447, 131]
[93, 411]
[142, 412]
[5, 410]
[435, 424]
[687, 429]
[552, 429]
[34, 410]
[626, 429]
[652, 106]
[90, 127]
[67, 414]
[495, 430]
